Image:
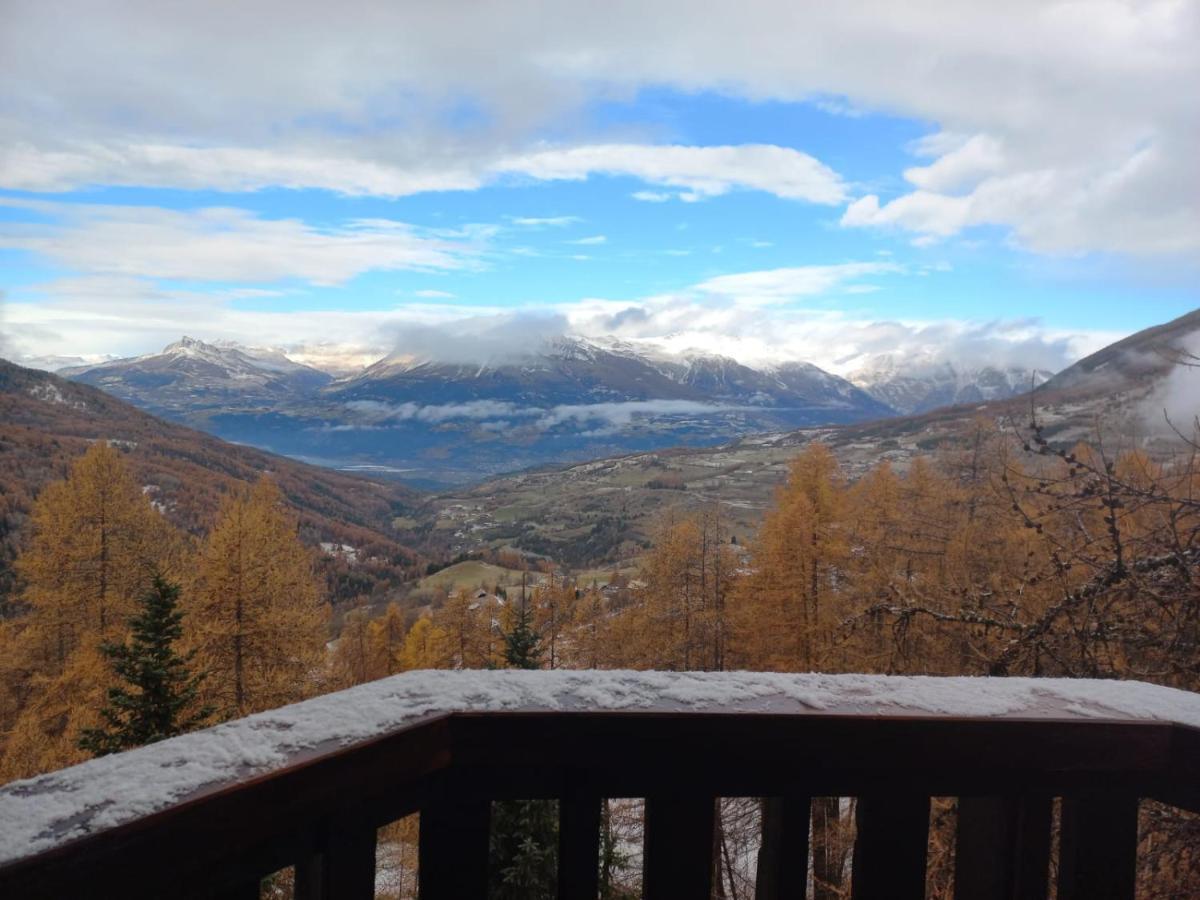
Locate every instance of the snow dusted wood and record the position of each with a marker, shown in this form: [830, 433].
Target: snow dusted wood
[211, 811]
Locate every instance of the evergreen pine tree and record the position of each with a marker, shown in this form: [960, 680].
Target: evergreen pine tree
[522, 643]
[159, 690]
[524, 833]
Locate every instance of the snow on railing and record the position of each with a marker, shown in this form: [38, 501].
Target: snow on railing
[39, 813]
[618, 731]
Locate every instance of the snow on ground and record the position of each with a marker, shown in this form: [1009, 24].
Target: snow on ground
[43, 812]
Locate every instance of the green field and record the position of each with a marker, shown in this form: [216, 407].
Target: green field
[471, 574]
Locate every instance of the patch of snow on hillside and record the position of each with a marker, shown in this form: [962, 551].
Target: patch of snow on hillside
[48, 392]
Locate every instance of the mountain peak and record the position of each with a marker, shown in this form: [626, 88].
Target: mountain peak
[188, 345]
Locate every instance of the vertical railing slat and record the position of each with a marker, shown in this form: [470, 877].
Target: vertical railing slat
[1002, 851]
[452, 853]
[578, 846]
[891, 847]
[678, 847]
[246, 890]
[1097, 856]
[309, 882]
[344, 869]
[783, 856]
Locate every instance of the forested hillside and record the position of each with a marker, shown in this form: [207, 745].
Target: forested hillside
[49, 422]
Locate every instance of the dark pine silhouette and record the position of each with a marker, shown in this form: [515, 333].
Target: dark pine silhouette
[158, 695]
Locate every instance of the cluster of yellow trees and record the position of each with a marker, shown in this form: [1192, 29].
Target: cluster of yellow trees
[984, 560]
[990, 560]
[253, 611]
[467, 631]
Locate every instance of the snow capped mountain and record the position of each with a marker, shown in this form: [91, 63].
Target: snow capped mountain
[52, 363]
[919, 386]
[571, 370]
[189, 375]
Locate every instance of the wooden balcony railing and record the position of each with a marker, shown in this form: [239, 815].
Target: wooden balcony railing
[209, 814]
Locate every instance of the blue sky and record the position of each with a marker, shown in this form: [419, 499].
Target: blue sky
[879, 190]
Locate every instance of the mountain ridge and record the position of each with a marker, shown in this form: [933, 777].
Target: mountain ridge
[47, 421]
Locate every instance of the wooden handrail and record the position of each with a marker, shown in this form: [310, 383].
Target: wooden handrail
[319, 810]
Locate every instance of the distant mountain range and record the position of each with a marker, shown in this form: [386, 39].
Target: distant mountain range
[569, 399]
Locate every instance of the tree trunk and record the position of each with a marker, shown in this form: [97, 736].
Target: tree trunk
[828, 854]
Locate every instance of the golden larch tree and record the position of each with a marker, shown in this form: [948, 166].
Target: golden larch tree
[96, 544]
[258, 620]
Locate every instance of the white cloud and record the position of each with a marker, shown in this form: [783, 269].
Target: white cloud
[738, 315]
[779, 285]
[1072, 122]
[701, 172]
[434, 295]
[376, 411]
[1064, 209]
[545, 221]
[621, 414]
[590, 241]
[24, 166]
[99, 316]
[652, 196]
[223, 244]
[1174, 404]
[472, 336]
[503, 416]
[958, 163]
[761, 318]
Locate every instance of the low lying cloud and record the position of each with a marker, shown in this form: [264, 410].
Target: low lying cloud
[758, 318]
[476, 340]
[623, 414]
[1175, 403]
[502, 416]
[778, 315]
[376, 411]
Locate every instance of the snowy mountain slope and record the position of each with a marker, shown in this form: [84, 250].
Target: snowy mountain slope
[189, 375]
[916, 387]
[1136, 361]
[576, 371]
